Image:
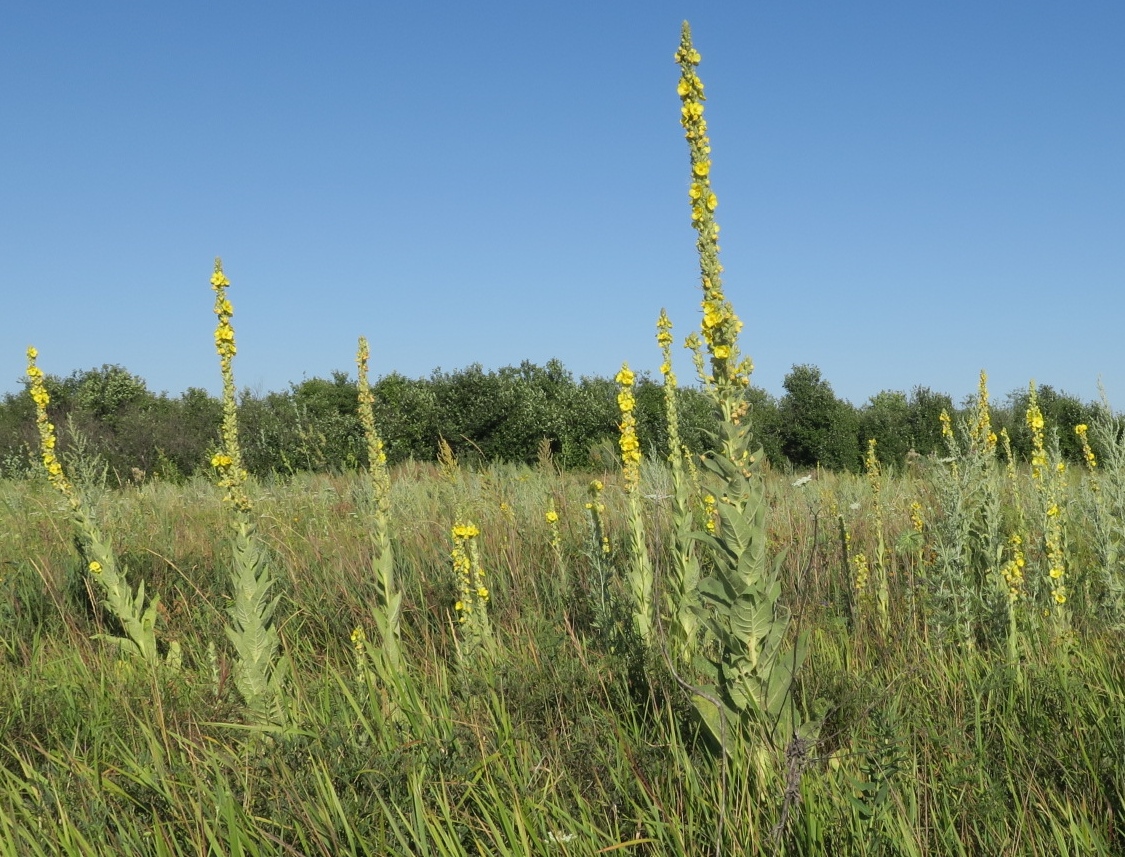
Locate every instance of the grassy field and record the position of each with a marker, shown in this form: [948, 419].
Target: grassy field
[685, 656]
[571, 737]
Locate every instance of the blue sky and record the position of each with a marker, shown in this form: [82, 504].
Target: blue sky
[908, 192]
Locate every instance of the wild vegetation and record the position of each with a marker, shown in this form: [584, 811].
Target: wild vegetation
[677, 651]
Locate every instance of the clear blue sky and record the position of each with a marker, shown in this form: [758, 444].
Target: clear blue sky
[908, 192]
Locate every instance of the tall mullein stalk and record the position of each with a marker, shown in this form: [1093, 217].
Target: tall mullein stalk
[749, 667]
[471, 608]
[387, 609]
[882, 583]
[639, 578]
[1013, 571]
[597, 551]
[967, 587]
[1048, 472]
[680, 595]
[137, 619]
[555, 543]
[260, 671]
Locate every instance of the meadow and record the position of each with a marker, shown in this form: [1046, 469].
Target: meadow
[696, 654]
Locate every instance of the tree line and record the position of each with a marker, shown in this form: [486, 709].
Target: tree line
[110, 422]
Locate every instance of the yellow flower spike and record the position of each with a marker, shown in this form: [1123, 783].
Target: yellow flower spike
[47, 437]
[946, 424]
[1087, 453]
[471, 605]
[628, 443]
[916, 516]
[232, 475]
[709, 513]
[720, 326]
[376, 448]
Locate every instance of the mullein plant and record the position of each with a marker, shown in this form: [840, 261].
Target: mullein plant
[1048, 472]
[471, 609]
[598, 553]
[967, 585]
[260, 671]
[387, 610]
[679, 601]
[745, 700]
[1013, 570]
[555, 543]
[639, 577]
[136, 617]
[882, 584]
[1104, 494]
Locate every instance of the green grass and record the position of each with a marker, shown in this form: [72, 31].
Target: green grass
[571, 742]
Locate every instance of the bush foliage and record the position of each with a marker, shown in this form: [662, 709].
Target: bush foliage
[110, 416]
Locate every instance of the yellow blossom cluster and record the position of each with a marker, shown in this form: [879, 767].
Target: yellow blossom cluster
[47, 438]
[228, 462]
[1012, 570]
[1052, 484]
[1035, 423]
[916, 516]
[871, 466]
[552, 518]
[862, 573]
[473, 594]
[983, 436]
[709, 512]
[720, 324]
[630, 445]
[1091, 460]
[664, 340]
[946, 425]
[596, 508]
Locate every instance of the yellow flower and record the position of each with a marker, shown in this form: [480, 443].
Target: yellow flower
[552, 517]
[946, 424]
[916, 516]
[96, 567]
